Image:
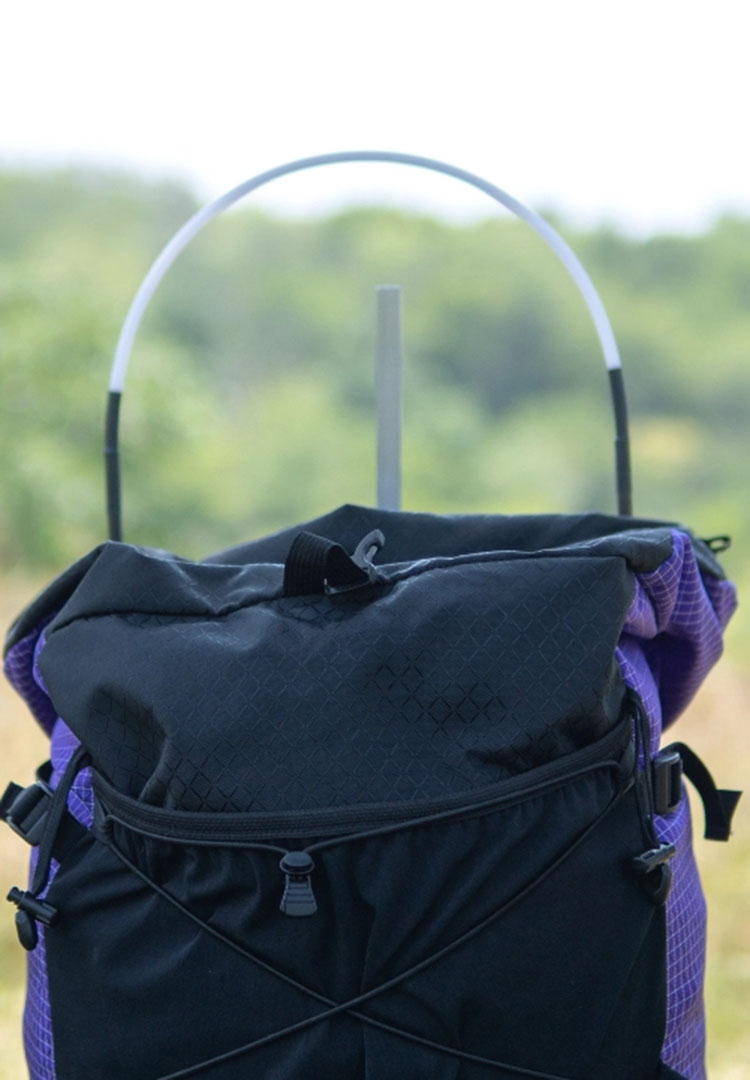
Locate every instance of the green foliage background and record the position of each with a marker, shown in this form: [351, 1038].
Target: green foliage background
[250, 400]
[250, 404]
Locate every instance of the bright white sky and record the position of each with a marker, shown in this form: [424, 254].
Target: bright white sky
[633, 112]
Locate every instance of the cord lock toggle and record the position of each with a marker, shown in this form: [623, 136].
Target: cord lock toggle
[298, 899]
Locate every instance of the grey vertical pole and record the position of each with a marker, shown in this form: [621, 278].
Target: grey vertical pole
[388, 366]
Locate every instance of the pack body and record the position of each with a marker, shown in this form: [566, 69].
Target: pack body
[408, 820]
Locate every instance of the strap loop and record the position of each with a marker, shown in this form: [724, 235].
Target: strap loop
[317, 565]
[719, 804]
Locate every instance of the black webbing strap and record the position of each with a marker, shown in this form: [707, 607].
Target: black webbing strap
[719, 804]
[315, 564]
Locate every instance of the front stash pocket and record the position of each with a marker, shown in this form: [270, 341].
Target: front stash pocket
[495, 943]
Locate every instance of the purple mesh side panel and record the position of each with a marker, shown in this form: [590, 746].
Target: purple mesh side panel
[685, 1038]
[19, 668]
[37, 1020]
[671, 638]
[37, 1017]
[81, 797]
[23, 673]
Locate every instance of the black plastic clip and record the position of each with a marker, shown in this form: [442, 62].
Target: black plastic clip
[298, 898]
[30, 912]
[25, 809]
[654, 871]
[667, 772]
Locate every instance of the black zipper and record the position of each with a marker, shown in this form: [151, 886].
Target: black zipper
[238, 829]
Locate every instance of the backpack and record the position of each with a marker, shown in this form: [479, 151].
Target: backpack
[382, 795]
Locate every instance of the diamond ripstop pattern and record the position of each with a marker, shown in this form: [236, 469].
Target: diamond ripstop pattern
[445, 681]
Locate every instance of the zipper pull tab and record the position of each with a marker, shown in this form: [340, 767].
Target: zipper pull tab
[298, 898]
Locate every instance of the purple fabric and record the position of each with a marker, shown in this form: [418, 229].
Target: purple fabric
[20, 670]
[81, 797]
[37, 1016]
[671, 638]
[23, 673]
[37, 1020]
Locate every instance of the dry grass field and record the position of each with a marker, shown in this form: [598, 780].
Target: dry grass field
[716, 725]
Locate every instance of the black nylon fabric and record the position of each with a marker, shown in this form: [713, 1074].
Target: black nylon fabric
[200, 687]
[142, 990]
[412, 536]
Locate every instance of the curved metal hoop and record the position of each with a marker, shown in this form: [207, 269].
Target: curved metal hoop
[199, 220]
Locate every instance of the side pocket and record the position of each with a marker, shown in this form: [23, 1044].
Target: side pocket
[684, 1040]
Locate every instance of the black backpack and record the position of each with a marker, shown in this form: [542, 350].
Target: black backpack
[380, 796]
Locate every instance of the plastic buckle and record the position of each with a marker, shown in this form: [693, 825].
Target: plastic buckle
[654, 872]
[27, 813]
[667, 771]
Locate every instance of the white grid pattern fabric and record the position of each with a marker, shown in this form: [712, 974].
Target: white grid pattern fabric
[672, 637]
